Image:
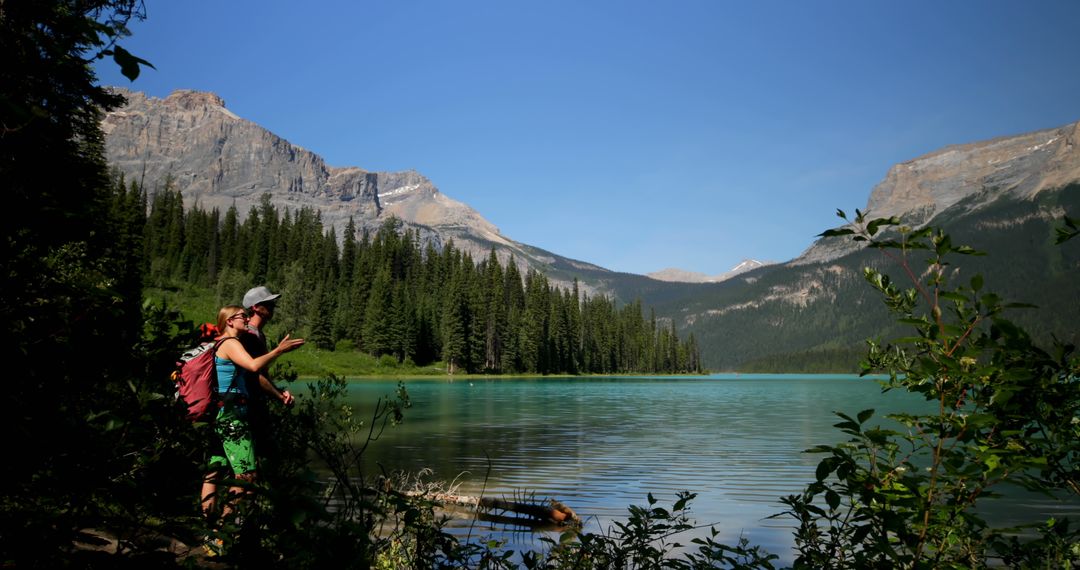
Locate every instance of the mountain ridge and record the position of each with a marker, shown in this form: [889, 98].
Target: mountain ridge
[674, 274]
[788, 312]
[974, 173]
[217, 159]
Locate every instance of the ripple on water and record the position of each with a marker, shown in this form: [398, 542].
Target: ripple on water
[600, 446]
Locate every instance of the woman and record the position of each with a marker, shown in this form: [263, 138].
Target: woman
[231, 424]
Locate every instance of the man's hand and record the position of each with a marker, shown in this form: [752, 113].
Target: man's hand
[287, 398]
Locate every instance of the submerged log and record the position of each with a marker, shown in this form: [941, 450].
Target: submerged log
[550, 511]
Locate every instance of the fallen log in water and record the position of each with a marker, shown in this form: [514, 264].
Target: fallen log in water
[550, 511]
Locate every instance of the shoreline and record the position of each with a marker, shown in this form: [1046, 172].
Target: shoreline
[703, 376]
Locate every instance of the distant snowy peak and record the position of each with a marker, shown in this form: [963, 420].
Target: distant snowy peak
[682, 276]
[744, 266]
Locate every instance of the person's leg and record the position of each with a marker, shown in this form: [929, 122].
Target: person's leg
[207, 498]
[237, 493]
[209, 503]
[217, 467]
[240, 451]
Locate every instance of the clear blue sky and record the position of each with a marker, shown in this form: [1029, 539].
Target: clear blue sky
[636, 135]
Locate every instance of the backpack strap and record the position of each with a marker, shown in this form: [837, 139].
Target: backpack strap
[220, 341]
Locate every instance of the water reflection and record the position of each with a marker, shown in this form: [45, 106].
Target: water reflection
[599, 445]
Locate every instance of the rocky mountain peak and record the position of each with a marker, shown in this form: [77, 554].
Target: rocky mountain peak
[974, 174]
[1020, 165]
[189, 99]
[216, 159]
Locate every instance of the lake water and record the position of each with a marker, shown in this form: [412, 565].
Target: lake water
[601, 444]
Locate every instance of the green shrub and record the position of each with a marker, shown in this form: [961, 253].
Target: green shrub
[1006, 414]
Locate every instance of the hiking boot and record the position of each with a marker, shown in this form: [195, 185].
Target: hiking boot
[213, 547]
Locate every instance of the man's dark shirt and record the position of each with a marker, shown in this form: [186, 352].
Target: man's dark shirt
[255, 344]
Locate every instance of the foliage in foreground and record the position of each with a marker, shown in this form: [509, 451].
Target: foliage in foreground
[1006, 413]
[95, 442]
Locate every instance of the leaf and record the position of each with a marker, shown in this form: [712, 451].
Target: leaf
[824, 468]
[833, 499]
[836, 232]
[683, 500]
[129, 63]
[880, 436]
[1068, 232]
[860, 533]
[976, 282]
[872, 227]
[914, 322]
[848, 426]
[865, 415]
[968, 250]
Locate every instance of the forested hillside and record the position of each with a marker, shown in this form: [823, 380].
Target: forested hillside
[388, 293]
[817, 317]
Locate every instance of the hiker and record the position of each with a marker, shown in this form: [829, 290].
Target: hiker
[232, 424]
[260, 303]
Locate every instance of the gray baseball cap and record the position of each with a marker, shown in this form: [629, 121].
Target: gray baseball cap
[257, 296]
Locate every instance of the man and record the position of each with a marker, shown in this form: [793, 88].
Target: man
[261, 302]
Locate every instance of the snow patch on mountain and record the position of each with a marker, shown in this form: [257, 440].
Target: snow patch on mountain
[682, 276]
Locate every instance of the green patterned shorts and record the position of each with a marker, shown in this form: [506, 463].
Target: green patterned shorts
[233, 430]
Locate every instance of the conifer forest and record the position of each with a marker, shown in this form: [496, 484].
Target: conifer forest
[390, 293]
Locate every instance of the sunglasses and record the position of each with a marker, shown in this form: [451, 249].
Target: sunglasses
[238, 316]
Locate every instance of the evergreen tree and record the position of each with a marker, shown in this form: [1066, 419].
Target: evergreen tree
[70, 289]
[534, 324]
[514, 308]
[455, 328]
[495, 314]
[230, 238]
[378, 325]
[320, 316]
[404, 325]
[396, 294]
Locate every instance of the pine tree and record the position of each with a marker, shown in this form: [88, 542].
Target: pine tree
[455, 328]
[377, 330]
[514, 299]
[320, 316]
[494, 315]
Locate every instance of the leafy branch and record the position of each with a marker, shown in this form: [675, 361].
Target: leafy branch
[1004, 412]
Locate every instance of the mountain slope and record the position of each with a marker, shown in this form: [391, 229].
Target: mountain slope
[216, 159]
[1003, 196]
[975, 174]
[813, 312]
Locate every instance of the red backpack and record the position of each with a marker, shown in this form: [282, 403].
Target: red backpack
[196, 380]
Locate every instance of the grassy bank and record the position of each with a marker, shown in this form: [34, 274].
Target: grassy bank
[200, 305]
[310, 361]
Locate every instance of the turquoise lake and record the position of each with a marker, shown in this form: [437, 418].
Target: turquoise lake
[601, 444]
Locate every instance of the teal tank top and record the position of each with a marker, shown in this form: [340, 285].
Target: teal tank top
[230, 379]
